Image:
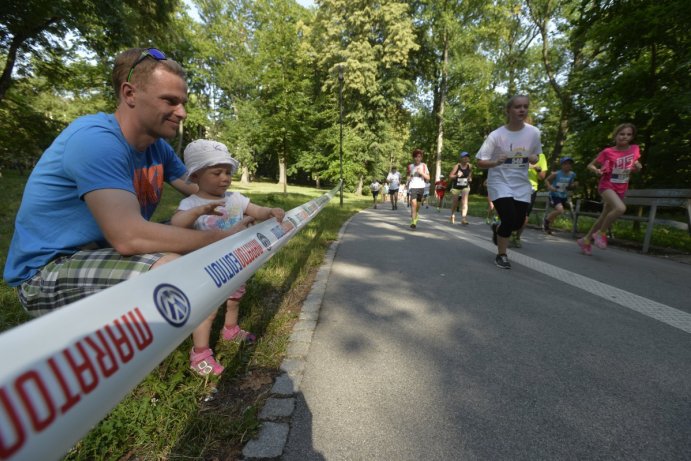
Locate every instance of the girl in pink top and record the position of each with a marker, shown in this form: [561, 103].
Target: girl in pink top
[613, 165]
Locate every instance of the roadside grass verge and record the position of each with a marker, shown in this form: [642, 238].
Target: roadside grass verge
[168, 415]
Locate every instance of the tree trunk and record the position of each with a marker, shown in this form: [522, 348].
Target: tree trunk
[245, 178]
[317, 180]
[358, 191]
[440, 107]
[11, 57]
[281, 170]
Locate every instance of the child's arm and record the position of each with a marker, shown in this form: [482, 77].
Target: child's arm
[185, 188]
[186, 218]
[592, 166]
[637, 166]
[550, 187]
[262, 213]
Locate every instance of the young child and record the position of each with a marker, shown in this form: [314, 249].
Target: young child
[211, 167]
[440, 189]
[374, 187]
[613, 165]
[559, 183]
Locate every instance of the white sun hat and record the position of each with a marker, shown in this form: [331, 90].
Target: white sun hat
[204, 153]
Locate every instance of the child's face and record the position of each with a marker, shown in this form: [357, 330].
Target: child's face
[624, 136]
[518, 110]
[214, 180]
[566, 167]
[418, 158]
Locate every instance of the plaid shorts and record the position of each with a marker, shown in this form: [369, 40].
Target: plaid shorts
[67, 279]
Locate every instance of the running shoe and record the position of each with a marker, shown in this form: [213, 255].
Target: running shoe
[502, 261]
[600, 240]
[494, 232]
[237, 334]
[545, 226]
[464, 222]
[586, 247]
[204, 364]
[453, 219]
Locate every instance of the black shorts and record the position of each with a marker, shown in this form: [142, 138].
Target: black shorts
[554, 201]
[416, 193]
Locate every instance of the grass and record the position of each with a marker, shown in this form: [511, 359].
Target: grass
[166, 416]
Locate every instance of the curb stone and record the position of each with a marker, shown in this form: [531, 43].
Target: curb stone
[276, 414]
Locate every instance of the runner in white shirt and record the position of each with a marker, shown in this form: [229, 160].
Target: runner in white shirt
[418, 175]
[394, 181]
[506, 152]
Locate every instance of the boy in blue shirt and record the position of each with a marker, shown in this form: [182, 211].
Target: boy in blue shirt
[559, 183]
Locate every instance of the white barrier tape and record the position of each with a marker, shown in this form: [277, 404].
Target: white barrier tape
[62, 373]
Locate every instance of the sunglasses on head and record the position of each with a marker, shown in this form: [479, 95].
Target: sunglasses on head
[158, 55]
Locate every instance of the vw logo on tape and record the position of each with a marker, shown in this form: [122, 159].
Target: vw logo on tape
[265, 241]
[172, 304]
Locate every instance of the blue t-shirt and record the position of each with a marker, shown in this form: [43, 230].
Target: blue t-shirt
[561, 182]
[90, 154]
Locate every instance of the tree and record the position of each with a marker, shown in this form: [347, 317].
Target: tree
[372, 41]
[36, 28]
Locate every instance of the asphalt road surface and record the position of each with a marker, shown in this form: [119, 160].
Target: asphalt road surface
[425, 350]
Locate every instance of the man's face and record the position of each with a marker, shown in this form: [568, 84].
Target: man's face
[160, 104]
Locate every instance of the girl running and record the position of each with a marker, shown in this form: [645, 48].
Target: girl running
[613, 165]
[506, 153]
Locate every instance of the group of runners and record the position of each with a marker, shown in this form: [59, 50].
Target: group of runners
[512, 155]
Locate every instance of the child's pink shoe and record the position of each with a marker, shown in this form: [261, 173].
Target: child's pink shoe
[586, 248]
[600, 240]
[237, 334]
[204, 364]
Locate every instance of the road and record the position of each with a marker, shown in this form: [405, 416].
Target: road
[425, 350]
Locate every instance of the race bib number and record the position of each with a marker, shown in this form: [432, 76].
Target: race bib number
[561, 186]
[620, 175]
[517, 161]
[462, 182]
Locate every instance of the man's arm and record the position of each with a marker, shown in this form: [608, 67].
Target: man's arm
[117, 213]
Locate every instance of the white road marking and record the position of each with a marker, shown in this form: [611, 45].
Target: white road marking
[653, 309]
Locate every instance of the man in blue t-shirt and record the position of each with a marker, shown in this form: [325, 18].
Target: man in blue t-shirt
[83, 224]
